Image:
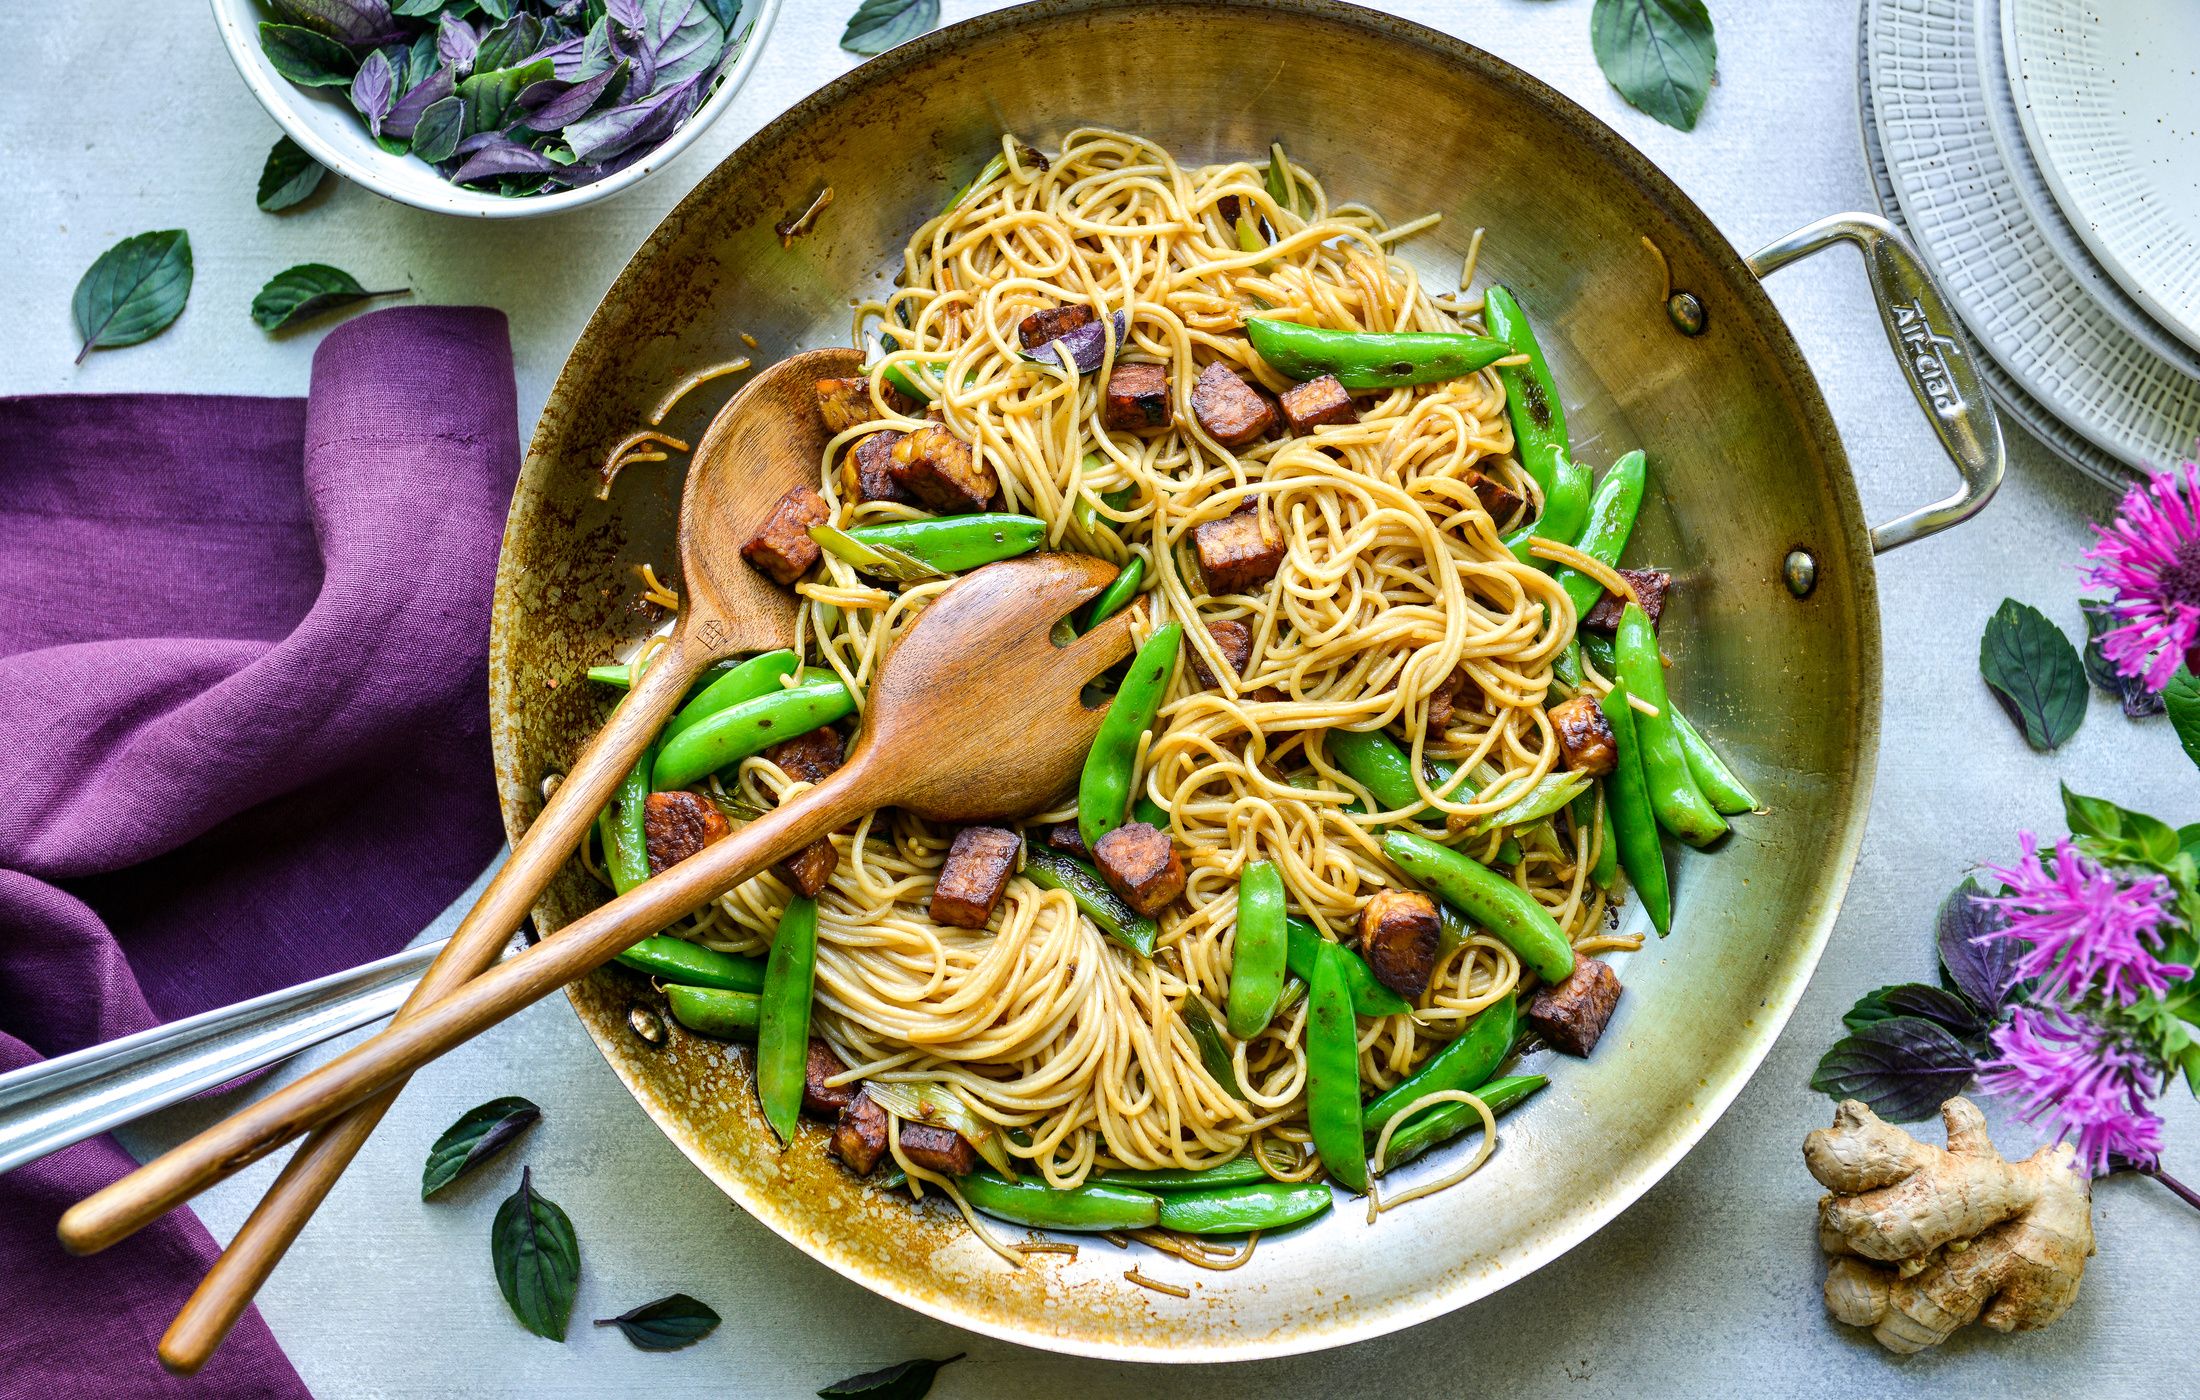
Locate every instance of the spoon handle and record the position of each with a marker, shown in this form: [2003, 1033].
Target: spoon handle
[312, 1171]
[415, 1038]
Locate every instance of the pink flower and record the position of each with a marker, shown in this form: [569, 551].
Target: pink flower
[2148, 561]
[2073, 1075]
[2089, 933]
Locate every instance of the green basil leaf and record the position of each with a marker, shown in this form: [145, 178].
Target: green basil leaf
[1945, 1008]
[878, 25]
[308, 290]
[665, 1325]
[289, 176]
[537, 1259]
[1904, 1067]
[2118, 834]
[1660, 54]
[134, 291]
[2188, 838]
[2036, 673]
[910, 1380]
[2181, 697]
[441, 128]
[490, 96]
[307, 58]
[473, 1139]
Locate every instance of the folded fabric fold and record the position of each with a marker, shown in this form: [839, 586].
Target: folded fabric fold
[244, 742]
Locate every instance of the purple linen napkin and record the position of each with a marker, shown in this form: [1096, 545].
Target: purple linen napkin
[243, 743]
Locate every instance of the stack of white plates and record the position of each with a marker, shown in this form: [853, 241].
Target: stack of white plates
[2045, 158]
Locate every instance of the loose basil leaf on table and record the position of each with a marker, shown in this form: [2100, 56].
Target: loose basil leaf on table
[308, 290]
[537, 1259]
[878, 25]
[1951, 1010]
[2130, 691]
[1983, 969]
[289, 176]
[1904, 1067]
[134, 291]
[2182, 699]
[666, 1325]
[307, 58]
[1660, 54]
[477, 1136]
[910, 1380]
[2036, 673]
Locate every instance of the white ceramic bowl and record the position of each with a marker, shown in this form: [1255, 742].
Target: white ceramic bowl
[323, 121]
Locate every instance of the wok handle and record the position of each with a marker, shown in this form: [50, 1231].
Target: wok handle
[1935, 353]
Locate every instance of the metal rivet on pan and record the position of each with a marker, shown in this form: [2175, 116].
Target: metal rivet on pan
[645, 1023]
[1685, 312]
[1801, 572]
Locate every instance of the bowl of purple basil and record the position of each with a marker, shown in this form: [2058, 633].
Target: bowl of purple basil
[494, 108]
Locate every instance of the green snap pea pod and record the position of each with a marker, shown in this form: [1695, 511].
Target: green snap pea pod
[1258, 951]
[1333, 1073]
[1152, 813]
[1451, 928]
[1611, 520]
[1718, 783]
[750, 727]
[1238, 1171]
[1628, 814]
[1531, 399]
[1489, 899]
[1508, 852]
[1234, 1210]
[1096, 1205]
[879, 561]
[623, 824]
[1463, 1064]
[955, 544]
[1096, 898]
[1565, 511]
[1597, 648]
[1567, 666]
[681, 963]
[1303, 948]
[1111, 768]
[757, 676]
[1681, 806]
[783, 1035]
[729, 1015]
[1088, 515]
[1214, 1051]
[614, 673]
[1445, 1121]
[1116, 594]
[1371, 359]
[1544, 796]
[1583, 816]
[1376, 762]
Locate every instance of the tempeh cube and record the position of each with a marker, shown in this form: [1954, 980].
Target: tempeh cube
[809, 869]
[811, 757]
[1572, 1015]
[1650, 588]
[1234, 640]
[867, 470]
[820, 1099]
[1585, 736]
[1141, 862]
[846, 403]
[1315, 403]
[1239, 552]
[1399, 936]
[1232, 411]
[1040, 327]
[938, 1149]
[976, 873]
[1137, 398]
[677, 825]
[943, 471]
[859, 1137]
[782, 550]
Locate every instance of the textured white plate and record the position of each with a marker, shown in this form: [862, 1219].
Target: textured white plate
[2109, 94]
[1955, 194]
[2031, 188]
[2011, 399]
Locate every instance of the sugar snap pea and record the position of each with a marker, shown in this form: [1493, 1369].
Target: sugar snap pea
[1111, 768]
[783, 1035]
[1333, 1073]
[615, 674]
[1376, 762]
[758, 676]
[1096, 898]
[1258, 951]
[1470, 1059]
[1145, 809]
[1096, 1205]
[1583, 816]
[1543, 796]
[1611, 520]
[623, 824]
[728, 1015]
[1445, 1121]
[1681, 806]
[1531, 399]
[1234, 1210]
[1116, 594]
[1719, 783]
[1632, 819]
[677, 961]
[1565, 510]
[1303, 946]
[1238, 1171]
[1488, 899]
[734, 733]
[1214, 1051]
[1371, 359]
[956, 543]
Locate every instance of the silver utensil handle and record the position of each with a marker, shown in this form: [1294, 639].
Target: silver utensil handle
[1936, 355]
[48, 1106]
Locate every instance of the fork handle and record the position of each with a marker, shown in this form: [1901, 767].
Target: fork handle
[313, 1170]
[414, 1039]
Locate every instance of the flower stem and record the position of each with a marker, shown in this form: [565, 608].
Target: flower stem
[2183, 1192]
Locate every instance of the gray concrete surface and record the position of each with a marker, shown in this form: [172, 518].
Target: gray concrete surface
[115, 119]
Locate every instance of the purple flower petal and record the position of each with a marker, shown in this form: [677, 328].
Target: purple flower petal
[635, 124]
[2089, 932]
[404, 118]
[573, 102]
[501, 156]
[374, 89]
[2148, 560]
[2072, 1075]
[1084, 346]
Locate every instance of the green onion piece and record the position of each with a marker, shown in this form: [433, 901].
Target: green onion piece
[928, 1101]
[878, 560]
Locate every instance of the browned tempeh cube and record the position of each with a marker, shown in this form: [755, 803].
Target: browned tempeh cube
[938, 1149]
[1495, 498]
[820, 1099]
[677, 825]
[1399, 933]
[811, 757]
[1572, 1015]
[1585, 736]
[859, 1137]
[846, 403]
[1318, 401]
[1443, 702]
[1040, 327]
[974, 876]
[1239, 552]
[1065, 837]
[943, 471]
[1142, 864]
[1137, 398]
[783, 550]
[1234, 640]
[867, 470]
[810, 868]
[1650, 588]
[1232, 411]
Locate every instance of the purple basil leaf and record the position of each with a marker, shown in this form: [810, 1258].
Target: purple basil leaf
[1982, 968]
[1953, 1010]
[479, 141]
[589, 172]
[1904, 1067]
[684, 39]
[2130, 691]
[473, 1139]
[501, 156]
[373, 89]
[636, 124]
[404, 118]
[627, 14]
[564, 108]
[352, 23]
[457, 42]
[1084, 345]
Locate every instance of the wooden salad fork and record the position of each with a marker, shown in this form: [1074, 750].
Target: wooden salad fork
[766, 440]
[976, 714]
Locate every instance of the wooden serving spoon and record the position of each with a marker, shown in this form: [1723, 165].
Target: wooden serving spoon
[975, 715]
[767, 440]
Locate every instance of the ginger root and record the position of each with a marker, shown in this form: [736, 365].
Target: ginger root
[1926, 1239]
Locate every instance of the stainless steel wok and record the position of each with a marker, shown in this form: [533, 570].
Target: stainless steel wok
[1775, 629]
